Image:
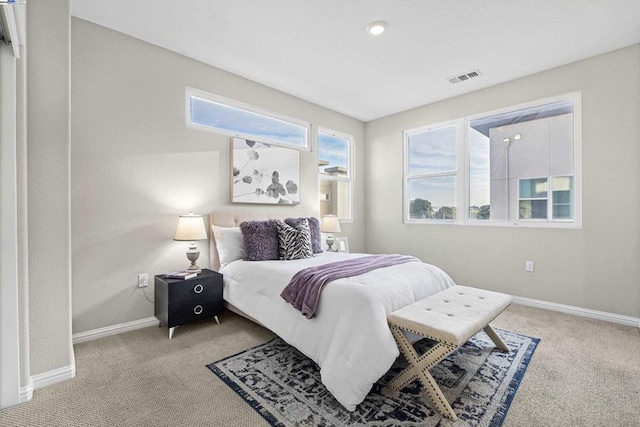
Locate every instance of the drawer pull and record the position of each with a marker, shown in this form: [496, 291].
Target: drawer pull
[198, 288]
[197, 309]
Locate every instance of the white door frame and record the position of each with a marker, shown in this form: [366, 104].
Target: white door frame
[9, 332]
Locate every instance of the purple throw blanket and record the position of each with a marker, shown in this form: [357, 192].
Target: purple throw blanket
[303, 291]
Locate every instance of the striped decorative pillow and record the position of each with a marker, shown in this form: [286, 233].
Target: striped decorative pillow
[314, 227]
[294, 242]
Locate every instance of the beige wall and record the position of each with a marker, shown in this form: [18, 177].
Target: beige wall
[135, 166]
[48, 222]
[596, 267]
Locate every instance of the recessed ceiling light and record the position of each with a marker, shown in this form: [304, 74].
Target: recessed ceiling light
[376, 28]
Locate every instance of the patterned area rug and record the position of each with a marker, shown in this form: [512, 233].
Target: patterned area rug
[284, 386]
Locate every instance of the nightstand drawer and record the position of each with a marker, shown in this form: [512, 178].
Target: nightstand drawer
[192, 288]
[198, 287]
[187, 311]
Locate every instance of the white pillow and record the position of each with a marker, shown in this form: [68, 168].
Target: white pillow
[229, 244]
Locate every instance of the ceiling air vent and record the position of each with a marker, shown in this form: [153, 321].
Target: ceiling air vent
[463, 77]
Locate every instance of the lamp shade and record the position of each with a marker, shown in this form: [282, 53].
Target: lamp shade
[190, 227]
[330, 224]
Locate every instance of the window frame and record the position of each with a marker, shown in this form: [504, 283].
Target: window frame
[463, 176]
[228, 102]
[351, 172]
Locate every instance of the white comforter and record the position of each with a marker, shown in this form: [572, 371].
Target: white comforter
[349, 338]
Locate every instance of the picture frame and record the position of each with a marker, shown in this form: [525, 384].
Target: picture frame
[264, 173]
[342, 244]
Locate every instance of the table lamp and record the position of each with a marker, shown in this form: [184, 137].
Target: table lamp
[191, 228]
[330, 224]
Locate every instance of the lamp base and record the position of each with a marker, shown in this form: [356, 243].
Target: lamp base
[192, 255]
[330, 242]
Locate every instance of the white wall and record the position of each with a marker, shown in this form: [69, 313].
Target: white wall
[596, 267]
[47, 163]
[135, 166]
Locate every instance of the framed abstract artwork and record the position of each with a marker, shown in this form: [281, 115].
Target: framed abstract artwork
[264, 173]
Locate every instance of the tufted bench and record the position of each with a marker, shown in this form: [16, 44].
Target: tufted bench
[450, 318]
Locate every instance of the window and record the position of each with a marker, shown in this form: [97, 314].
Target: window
[534, 202]
[518, 166]
[432, 167]
[335, 173]
[228, 117]
[533, 198]
[562, 203]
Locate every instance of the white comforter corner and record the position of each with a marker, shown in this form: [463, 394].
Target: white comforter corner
[349, 338]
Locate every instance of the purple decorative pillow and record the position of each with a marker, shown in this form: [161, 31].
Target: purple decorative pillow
[260, 240]
[314, 227]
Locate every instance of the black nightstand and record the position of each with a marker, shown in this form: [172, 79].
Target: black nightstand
[178, 302]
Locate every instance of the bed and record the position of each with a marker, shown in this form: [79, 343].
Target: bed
[349, 337]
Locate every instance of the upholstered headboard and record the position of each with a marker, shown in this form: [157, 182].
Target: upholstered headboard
[233, 218]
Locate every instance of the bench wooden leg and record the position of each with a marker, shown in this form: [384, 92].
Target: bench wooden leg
[496, 339]
[419, 369]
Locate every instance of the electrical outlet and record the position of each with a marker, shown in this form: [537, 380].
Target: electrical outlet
[528, 266]
[143, 280]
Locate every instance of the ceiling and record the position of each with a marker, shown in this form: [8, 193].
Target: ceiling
[319, 50]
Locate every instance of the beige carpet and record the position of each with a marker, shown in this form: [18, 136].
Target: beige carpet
[584, 373]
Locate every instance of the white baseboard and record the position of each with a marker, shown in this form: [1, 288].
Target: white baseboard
[54, 376]
[113, 330]
[26, 393]
[578, 311]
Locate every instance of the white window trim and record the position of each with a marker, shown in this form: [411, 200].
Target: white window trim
[189, 92]
[462, 209]
[350, 179]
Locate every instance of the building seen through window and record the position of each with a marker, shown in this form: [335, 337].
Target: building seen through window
[530, 167]
[335, 173]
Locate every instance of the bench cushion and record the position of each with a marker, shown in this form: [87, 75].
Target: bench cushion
[451, 316]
